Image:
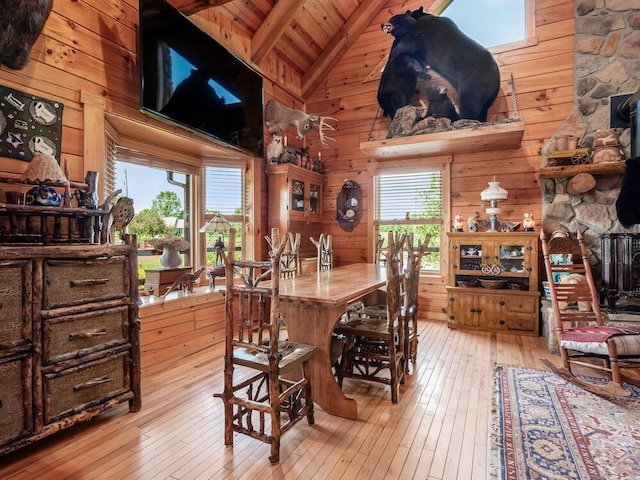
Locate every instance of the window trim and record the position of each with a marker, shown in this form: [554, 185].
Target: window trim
[442, 163]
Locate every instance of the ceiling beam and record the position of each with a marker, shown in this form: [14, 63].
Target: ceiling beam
[272, 28]
[340, 43]
[189, 7]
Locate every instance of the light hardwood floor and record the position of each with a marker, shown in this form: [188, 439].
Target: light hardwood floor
[439, 429]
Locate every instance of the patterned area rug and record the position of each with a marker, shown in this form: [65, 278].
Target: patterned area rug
[544, 427]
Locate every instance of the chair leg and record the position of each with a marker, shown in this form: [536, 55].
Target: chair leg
[307, 394]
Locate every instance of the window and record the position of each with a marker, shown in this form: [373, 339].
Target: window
[412, 201]
[492, 22]
[160, 189]
[225, 194]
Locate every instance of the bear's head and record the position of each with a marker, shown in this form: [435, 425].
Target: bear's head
[399, 25]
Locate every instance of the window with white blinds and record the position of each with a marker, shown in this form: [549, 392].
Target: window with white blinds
[406, 196]
[411, 202]
[225, 193]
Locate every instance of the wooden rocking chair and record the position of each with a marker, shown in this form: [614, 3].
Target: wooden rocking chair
[582, 336]
[258, 400]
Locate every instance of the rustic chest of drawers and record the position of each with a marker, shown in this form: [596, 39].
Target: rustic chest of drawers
[69, 337]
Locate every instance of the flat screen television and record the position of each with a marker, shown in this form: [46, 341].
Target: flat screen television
[190, 80]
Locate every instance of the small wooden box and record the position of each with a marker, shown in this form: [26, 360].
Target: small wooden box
[159, 279]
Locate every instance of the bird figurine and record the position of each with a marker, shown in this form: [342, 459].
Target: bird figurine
[120, 216]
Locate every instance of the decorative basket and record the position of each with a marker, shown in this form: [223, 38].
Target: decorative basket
[466, 283]
[493, 284]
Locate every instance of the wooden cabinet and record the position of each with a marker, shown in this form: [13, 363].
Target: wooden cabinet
[69, 337]
[295, 203]
[493, 282]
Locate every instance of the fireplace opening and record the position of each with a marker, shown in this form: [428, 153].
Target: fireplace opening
[620, 288]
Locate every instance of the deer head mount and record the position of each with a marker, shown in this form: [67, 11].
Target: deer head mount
[279, 117]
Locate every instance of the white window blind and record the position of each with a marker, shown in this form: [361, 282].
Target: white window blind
[224, 189]
[413, 195]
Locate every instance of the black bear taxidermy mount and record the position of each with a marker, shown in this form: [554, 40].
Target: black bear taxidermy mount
[440, 105]
[437, 42]
[21, 22]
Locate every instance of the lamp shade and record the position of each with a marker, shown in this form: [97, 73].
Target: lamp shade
[217, 224]
[44, 169]
[494, 192]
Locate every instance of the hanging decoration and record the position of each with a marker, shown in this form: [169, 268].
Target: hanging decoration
[29, 125]
[349, 205]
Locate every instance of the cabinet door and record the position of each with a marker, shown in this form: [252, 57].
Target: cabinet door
[462, 310]
[16, 418]
[514, 258]
[15, 302]
[297, 196]
[467, 256]
[315, 198]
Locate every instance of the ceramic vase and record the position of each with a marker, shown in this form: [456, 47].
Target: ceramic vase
[170, 258]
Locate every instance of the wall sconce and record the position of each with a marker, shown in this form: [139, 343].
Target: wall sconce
[493, 194]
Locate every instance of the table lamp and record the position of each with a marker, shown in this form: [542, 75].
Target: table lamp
[493, 194]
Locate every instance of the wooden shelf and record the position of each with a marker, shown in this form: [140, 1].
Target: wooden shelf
[592, 168]
[504, 136]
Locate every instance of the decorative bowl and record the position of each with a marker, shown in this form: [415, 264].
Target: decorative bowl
[466, 283]
[491, 283]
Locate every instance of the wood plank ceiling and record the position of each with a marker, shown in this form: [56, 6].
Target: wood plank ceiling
[308, 35]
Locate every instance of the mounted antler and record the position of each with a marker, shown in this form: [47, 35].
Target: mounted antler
[279, 117]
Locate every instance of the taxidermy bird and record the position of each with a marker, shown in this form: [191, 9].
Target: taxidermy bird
[121, 215]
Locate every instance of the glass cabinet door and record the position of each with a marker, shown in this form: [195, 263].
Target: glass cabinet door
[297, 196]
[470, 257]
[314, 199]
[512, 258]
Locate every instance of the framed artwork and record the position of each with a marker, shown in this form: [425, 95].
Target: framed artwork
[29, 125]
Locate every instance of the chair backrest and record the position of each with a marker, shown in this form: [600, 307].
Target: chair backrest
[253, 303]
[381, 253]
[325, 252]
[412, 271]
[289, 259]
[395, 244]
[574, 296]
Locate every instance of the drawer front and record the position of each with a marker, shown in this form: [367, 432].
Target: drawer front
[521, 304]
[15, 399]
[85, 386]
[74, 282]
[77, 335]
[15, 302]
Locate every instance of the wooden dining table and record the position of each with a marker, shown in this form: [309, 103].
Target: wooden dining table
[311, 305]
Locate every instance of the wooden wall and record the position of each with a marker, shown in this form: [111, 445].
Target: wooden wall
[86, 55]
[543, 75]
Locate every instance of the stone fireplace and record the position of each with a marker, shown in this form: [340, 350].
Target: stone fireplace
[606, 63]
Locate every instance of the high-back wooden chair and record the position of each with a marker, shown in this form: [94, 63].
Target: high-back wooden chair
[582, 336]
[289, 258]
[413, 264]
[258, 400]
[325, 252]
[375, 347]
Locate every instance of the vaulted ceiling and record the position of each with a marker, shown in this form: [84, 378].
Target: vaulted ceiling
[308, 35]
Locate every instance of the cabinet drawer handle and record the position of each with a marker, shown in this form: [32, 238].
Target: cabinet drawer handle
[502, 303]
[479, 310]
[473, 310]
[502, 322]
[88, 281]
[88, 333]
[92, 383]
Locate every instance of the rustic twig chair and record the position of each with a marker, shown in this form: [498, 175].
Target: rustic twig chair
[375, 347]
[410, 307]
[289, 258]
[582, 336]
[258, 400]
[325, 252]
